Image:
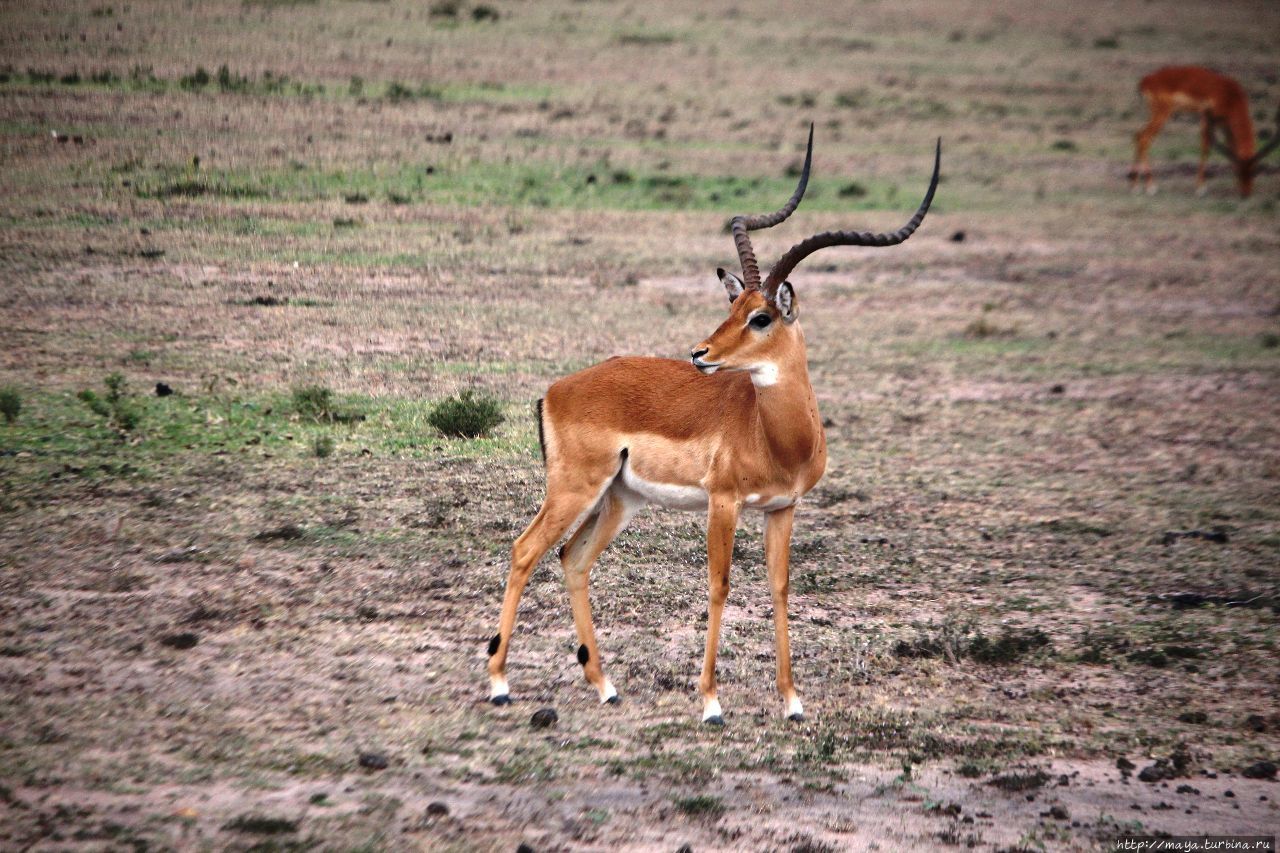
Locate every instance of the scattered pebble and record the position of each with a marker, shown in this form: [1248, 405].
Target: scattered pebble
[437, 809]
[544, 718]
[1260, 770]
[181, 642]
[373, 761]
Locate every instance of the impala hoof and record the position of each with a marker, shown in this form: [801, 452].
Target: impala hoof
[717, 721]
[615, 699]
[796, 718]
[504, 699]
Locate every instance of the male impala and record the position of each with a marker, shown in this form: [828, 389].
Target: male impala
[1219, 100]
[735, 426]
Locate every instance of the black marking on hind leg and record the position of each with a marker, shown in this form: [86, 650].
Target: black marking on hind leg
[563, 548]
[583, 654]
[542, 439]
[494, 644]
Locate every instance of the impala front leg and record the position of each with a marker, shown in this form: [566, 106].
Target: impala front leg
[777, 552]
[722, 520]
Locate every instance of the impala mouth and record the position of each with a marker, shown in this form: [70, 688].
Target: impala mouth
[707, 367]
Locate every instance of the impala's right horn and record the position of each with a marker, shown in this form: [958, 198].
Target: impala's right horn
[805, 248]
[740, 225]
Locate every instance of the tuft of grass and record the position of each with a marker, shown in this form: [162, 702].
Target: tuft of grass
[313, 401]
[702, 805]
[466, 415]
[983, 329]
[484, 13]
[322, 446]
[10, 403]
[1016, 781]
[445, 9]
[646, 39]
[954, 640]
[261, 825]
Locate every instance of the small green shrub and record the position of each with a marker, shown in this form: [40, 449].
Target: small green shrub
[484, 13]
[197, 79]
[10, 404]
[397, 92]
[229, 82]
[466, 415]
[116, 406]
[356, 87]
[322, 446]
[445, 9]
[313, 401]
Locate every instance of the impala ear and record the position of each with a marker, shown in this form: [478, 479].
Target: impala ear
[785, 301]
[732, 284]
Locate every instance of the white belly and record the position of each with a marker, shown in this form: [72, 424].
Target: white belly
[769, 504]
[665, 494]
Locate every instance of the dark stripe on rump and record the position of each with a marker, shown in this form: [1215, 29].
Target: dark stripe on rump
[542, 438]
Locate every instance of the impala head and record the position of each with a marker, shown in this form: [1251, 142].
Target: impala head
[761, 333]
[1246, 166]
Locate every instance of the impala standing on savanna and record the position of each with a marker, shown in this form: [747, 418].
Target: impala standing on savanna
[734, 427]
[1219, 100]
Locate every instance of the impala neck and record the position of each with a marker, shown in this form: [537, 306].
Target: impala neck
[787, 407]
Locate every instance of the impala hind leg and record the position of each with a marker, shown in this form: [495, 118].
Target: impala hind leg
[1206, 137]
[578, 556]
[722, 521]
[560, 511]
[777, 552]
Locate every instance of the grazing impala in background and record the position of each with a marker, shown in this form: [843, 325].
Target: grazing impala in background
[1219, 100]
[734, 427]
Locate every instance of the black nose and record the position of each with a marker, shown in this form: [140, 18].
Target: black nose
[698, 353]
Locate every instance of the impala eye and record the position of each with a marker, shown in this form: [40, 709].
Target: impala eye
[760, 321]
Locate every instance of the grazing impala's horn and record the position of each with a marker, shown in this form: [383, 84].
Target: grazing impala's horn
[742, 224]
[805, 248]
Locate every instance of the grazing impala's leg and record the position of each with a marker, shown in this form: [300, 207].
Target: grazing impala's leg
[1142, 142]
[722, 520]
[777, 553]
[1206, 136]
[559, 511]
[577, 557]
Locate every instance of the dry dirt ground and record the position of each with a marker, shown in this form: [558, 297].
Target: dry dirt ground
[1042, 562]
